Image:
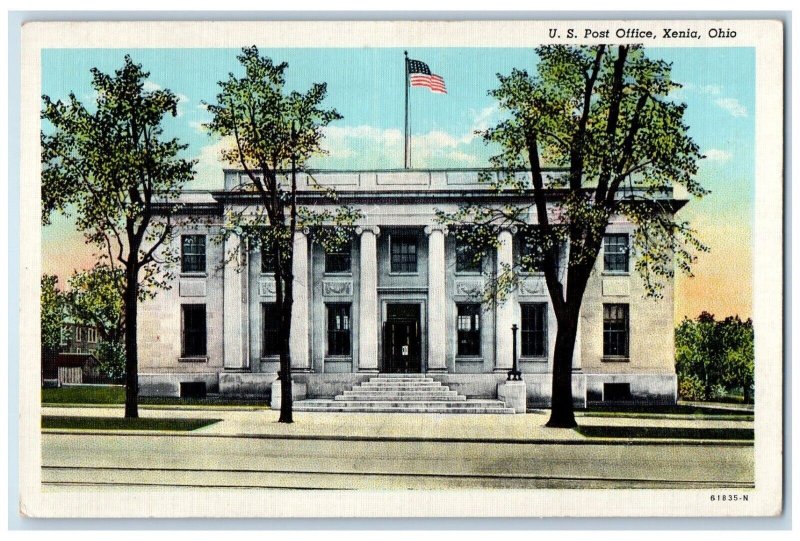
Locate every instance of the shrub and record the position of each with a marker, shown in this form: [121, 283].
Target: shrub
[111, 360]
[691, 388]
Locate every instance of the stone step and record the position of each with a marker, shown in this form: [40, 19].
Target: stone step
[403, 375]
[470, 406]
[400, 384]
[381, 379]
[401, 396]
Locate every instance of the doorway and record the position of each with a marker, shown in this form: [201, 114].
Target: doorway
[402, 339]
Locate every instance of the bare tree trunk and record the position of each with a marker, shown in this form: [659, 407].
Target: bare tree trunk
[561, 411]
[131, 352]
[285, 307]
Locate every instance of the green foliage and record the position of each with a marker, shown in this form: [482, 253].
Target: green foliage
[713, 358]
[53, 305]
[111, 360]
[274, 133]
[110, 166]
[604, 117]
[690, 387]
[95, 298]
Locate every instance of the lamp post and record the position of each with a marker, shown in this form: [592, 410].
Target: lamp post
[514, 374]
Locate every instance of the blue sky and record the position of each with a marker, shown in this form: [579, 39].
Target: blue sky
[366, 85]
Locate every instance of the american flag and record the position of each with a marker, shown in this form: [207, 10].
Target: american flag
[420, 75]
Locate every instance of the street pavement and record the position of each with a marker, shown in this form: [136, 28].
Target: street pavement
[248, 448]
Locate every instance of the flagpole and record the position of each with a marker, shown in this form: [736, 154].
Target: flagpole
[406, 155]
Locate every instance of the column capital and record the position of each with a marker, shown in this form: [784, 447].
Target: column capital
[513, 229]
[302, 231]
[374, 229]
[429, 229]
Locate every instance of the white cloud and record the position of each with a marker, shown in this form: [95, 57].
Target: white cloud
[150, 86]
[731, 106]
[210, 165]
[198, 126]
[717, 155]
[369, 147]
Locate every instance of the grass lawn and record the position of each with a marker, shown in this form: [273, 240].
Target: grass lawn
[120, 423]
[660, 411]
[84, 394]
[115, 394]
[666, 432]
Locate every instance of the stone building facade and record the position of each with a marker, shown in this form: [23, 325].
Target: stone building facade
[401, 298]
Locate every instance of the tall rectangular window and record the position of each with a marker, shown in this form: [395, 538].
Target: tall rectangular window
[534, 329]
[466, 260]
[267, 262]
[91, 335]
[469, 329]
[338, 261]
[193, 253]
[270, 326]
[194, 330]
[615, 330]
[339, 329]
[404, 253]
[531, 250]
[65, 335]
[615, 252]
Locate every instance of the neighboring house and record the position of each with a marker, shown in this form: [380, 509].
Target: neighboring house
[403, 297]
[76, 338]
[76, 351]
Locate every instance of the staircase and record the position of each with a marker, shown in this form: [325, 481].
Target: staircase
[402, 393]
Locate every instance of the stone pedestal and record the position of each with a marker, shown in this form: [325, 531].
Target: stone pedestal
[299, 392]
[514, 394]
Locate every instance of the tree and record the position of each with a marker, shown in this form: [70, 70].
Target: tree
[52, 320]
[714, 356]
[113, 169]
[275, 132]
[603, 116]
[95, 298]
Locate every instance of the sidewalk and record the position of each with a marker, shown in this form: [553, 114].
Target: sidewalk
[528, 428]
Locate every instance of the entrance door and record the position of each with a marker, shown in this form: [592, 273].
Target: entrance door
[402, 339]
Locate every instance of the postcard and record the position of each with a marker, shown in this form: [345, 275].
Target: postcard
[401, 269]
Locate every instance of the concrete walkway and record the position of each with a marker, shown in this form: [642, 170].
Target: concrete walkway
[262, 423]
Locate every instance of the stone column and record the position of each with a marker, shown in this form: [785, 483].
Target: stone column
[368, 316]
[234, 302]
[298, 341]
[437, 300]
[504, 317]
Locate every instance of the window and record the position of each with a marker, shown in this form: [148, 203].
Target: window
[616, 391]
[469, 329]
[338, 261]
[267, 262]
[466, 260]
[91, 335]
[270, 325]
[615, 253]
[615, 330]
[193, 253]
[534, 329]
[194, 330]
[338, 329]
[65, 335]
[404, 253]
[532, 251]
